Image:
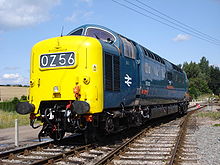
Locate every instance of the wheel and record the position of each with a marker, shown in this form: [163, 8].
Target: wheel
[109, 125]
[138, 119]
[89, 134]
[57, 133]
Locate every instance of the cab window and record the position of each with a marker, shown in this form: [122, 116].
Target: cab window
[100, 34]
[77, 32]
[129, 49]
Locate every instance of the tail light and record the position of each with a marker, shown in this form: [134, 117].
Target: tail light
[89, 118]
[68, 106]
[76, 91]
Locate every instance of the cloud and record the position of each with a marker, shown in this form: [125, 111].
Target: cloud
[13, 78]
[23, 13]
[79, 15]
[10, 76]
[182, 37]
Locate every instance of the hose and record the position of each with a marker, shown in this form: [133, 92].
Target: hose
[32, 124]
[47, 120]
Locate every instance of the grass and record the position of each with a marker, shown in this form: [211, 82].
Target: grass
[212, 115]
[207, 96]
[216, 125]
[7, 119]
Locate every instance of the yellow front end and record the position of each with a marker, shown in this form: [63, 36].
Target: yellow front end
[54, 83]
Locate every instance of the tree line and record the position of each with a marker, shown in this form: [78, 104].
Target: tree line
[203, 78]
[17, 85]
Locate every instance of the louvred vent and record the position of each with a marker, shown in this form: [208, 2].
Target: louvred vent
[112, 72]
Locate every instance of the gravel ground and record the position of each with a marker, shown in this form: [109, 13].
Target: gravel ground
[208, 139]
[206, 135]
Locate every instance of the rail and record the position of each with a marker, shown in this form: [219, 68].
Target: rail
[108, 158]
[76, 152]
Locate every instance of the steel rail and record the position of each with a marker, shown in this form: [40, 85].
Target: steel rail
[191, 107]
[27, 151]
[182, 126]
[106, 159]
[24, 149]
[52, 159]
[111, 155]
[117, 151]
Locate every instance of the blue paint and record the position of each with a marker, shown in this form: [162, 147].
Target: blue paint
[144, 77]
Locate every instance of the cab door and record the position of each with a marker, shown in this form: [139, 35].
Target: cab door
[129, 72]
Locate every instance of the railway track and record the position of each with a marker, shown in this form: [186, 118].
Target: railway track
[167, 144]
[156, 144]
[42, 153]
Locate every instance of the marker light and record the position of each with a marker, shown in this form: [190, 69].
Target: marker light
[76, 91]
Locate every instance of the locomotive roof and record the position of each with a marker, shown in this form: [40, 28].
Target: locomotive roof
[97, 26]
[117, 34]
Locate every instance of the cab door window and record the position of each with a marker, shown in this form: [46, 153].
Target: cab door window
[129, 48]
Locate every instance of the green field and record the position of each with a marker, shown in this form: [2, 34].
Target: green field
[8, 113]
[7, 119]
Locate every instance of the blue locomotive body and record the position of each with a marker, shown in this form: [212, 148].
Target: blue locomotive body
[135, 76]
[138, 85]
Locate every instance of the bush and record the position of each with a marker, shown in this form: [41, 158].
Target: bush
[10, 105]
[15, 100]
[23, 98]
[7, 106]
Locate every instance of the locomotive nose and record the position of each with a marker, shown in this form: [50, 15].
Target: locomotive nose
[24, 108]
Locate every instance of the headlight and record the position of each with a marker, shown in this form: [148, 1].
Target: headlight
[56, 89]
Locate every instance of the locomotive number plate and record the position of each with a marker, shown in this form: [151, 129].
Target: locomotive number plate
[57, 60]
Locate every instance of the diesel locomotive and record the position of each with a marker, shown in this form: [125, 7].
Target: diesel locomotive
[96, 80]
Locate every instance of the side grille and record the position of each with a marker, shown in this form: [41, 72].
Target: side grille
[108, 72]
[112, 72]
[116, 73]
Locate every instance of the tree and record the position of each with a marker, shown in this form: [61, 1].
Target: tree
[198, 86]
[179, 65]
[192, 69]
[204, 67]
[199, 77]
[214, 82]
[194, 92]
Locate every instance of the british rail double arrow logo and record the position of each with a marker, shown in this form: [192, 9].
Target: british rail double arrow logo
[128, 80]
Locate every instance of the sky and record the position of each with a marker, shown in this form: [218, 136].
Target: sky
[23, 23]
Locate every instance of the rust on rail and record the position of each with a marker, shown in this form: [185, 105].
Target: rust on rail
[180, 135]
